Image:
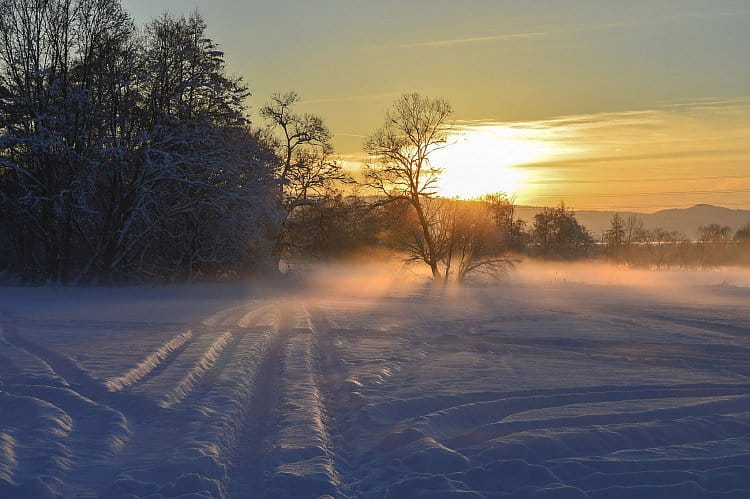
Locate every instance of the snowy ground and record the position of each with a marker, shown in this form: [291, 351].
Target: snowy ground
[580, 383]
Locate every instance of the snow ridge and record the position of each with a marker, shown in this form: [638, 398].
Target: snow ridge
[192, 378]
[148, 364]
[8, 460]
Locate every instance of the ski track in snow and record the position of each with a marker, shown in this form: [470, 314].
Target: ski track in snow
[398, 397]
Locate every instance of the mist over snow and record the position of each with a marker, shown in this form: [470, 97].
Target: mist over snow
[364, 380]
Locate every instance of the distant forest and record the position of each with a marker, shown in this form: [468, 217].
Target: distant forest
[127, 156]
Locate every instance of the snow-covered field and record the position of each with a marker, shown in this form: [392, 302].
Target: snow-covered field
[580, 382]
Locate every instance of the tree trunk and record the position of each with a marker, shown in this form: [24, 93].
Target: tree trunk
[431, 256]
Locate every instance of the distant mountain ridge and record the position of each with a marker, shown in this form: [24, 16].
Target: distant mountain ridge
[685, 220]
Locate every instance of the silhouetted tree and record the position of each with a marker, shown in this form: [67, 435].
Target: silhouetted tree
[614, 237]
[513, 234]
[557, 234]
[635, 236]
[336, 226]
[712, 242]
[742, 235]
[400, 168]
[307, 171]
[471, 240]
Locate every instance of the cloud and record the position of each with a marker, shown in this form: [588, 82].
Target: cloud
[658, 18]
[464, 41]
[593, 160]
[634, 180]
[348, 98]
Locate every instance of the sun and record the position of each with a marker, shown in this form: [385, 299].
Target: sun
[484, 159]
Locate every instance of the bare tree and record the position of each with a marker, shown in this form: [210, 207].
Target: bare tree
[307, 171]
[635, 235]
[400, 168]
[474, 241]
[465, 234]
[665, 248]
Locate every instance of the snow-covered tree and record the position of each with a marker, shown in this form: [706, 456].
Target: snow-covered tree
[124, 155]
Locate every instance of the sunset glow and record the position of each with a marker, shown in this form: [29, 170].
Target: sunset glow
[608, 105]
[641, 159]
[485, 158]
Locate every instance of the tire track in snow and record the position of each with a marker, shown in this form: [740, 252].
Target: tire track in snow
[731, 361]
[204, 430]
[225, 373]
[54, 441]
[424, 408]
[98, 433]
[727, 331]
[250, 457]
[589, 456]
[500, 428]
[218, 413]
[465, 421]
[644, 418]
[433, 430]
[197, 373]
[163, 379]
[303, 457]
[88, 431]
[252, 317]
[18, 366]
[72, 375]
[340, 396]
[149, 363]
[35, 446]
[215, 359]
[223, 316]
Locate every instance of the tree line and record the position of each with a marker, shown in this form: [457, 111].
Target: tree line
[628, 242]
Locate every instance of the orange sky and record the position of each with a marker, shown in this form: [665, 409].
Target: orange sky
[674, 155]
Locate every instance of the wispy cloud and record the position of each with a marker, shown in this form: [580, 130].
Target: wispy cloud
[638, 180]
[464, 41]
[624, 158]
[347, 98]
[351, 135]
[546, 32]
[509, 37]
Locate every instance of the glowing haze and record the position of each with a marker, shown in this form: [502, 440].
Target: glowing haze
[604, 103]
